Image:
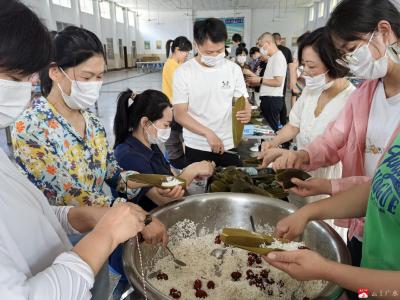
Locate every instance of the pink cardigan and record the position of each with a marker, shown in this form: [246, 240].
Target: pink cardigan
[344, 140]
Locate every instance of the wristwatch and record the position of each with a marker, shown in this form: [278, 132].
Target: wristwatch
[148, 220]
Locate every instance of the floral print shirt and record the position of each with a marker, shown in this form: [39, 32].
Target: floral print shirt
[68, 168]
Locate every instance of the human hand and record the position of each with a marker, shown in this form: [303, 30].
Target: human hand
[244, 116]
[155, 233]
[311, 187]
[300, 264]
[217, 146]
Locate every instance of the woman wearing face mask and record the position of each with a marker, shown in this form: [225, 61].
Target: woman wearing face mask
[323, 98]
[142, 122]
[179, 51]
[241, 56]
[37, 261]
[58, 142]
[366, 33]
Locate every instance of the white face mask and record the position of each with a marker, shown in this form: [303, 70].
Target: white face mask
[364, 66]
[84, 94]
[368, 67]
[212, 61]
[162, 135]
[263, 51]
[14, 98]
[241, 59]
[317, 83]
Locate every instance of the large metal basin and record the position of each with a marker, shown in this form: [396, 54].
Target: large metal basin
[218, 210]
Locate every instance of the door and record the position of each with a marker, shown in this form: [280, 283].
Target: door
[126, 57]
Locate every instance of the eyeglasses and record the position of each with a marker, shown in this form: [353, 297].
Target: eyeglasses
[393, 52]
[349, 58]
[300, 69]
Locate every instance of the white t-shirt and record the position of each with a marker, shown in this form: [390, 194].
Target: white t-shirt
[276, 66]
[35, 257]
[303, 117]
[382, 122]
[209, 93]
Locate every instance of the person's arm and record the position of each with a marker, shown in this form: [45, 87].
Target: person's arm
[287, 133]
[349, 204]
[275, 82]
[162, 197]
[71, 275]
[244, 116]
[308, 265]
[198, 169]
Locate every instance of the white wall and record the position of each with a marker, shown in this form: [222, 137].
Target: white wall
[289, 25]
[170, 26]
[173, 24]
[103, 28]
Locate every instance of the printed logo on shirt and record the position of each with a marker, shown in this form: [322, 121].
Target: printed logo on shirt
[226, 84]
[363, 293]
[386, 183]
[372, 149]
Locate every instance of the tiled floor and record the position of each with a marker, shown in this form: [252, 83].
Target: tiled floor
[114, 83]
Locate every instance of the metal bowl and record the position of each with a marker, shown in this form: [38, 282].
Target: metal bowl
[219, 210]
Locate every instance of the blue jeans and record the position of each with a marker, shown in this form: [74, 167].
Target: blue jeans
[101, 287]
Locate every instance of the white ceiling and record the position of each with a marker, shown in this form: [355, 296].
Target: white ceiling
[174, 5]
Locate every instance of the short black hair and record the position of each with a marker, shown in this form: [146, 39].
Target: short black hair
[276, 36]
[254, 50]
[71, 47]
[321, 43]
[240, 50]
[236, 37]
[209, 29]
[301, 38]
[25, 42]
[353, 18]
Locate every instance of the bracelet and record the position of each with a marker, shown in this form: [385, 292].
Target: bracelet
[261, 81]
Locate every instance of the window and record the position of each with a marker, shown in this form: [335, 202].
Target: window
[105, 10]
[321, 9]
[86, 6]
[65, 3]
[119, 14]
[311, 14]
[131, 18]
[333, 5]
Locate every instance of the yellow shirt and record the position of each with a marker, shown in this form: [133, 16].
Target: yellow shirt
[167, 77]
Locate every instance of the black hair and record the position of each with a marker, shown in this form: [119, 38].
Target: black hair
[276, 36]
[254, 50]
[353, 18]
[240, 50]
[209, 29]
[301, 38]
[321, 43]
[180, 42]
[71, 47]
[150, 104]
[237, 38]
[25, 43]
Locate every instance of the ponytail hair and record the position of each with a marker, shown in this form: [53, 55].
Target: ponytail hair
[181, 42]
[168, 47]
[131, 108]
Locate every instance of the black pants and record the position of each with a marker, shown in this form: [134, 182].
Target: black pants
[271, 108]
[221, 160]
[355, 248]
[283, 116]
